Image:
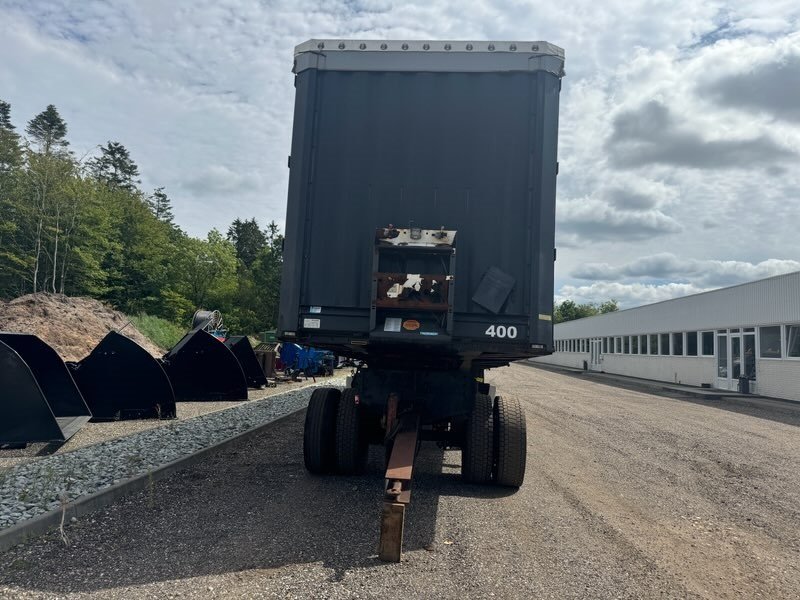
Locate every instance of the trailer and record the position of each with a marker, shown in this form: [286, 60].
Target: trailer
[428, 170]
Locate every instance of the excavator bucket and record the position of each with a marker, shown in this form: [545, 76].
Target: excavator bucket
[243, 351]
[121, 380]
[39, 402]
[202, 369]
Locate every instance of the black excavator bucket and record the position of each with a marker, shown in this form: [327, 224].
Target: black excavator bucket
[201, 368]
[121, 380]
[39, 402]
[243, 351]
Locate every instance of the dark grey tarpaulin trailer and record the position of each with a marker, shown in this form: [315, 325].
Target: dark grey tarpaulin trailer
[420, 239]
[39, 401]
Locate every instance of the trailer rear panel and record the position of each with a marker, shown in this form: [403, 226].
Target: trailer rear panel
[460, 140]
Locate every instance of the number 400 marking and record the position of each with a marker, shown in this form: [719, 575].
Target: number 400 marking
[502, 331]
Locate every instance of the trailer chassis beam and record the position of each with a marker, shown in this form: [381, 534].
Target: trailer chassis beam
[397, 494]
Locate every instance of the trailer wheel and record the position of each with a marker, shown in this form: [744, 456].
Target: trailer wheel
[511, 442]
[320, 430]
[351, 439]
[476, 452]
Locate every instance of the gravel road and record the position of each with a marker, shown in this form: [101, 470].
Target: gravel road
[627, 495]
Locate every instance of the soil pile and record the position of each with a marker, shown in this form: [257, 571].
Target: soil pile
[72, 326]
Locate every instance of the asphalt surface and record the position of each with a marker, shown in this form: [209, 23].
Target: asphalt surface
[627, 495]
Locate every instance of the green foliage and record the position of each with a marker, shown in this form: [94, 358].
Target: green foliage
[161, 332]
[568, 310]
[48, 130]
[247, 239]
[161, 206]
[89, 230]
[115, 167]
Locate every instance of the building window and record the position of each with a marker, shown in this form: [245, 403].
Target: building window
[691, 343]
[793, 341]
[605, 345]
[677, 344]
[653, 343]
[642, 344]
[664, 340]
[617, 345]
[770, 341]
[626, 344]
[708, 343]
[634, 344]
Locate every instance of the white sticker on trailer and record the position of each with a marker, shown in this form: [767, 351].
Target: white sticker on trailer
[311, 323]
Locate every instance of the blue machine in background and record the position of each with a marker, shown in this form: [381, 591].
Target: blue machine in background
[309, 361]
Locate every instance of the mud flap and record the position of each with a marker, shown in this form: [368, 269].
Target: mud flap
[40, 401]
[120, 379]
[203, 369]
[244, 353]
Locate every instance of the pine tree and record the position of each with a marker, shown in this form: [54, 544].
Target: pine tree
[248, 240]
[5, 115]
[10, 150]
[115, 167]
[161, 206]
[48, 130]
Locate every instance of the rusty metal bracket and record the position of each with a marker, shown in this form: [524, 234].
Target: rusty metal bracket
[397, 493]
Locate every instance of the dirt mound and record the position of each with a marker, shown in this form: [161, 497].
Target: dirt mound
[73, 326]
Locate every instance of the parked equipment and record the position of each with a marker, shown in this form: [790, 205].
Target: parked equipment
[202, 368]
[40, 402]
[265, 355]
[122, 380]
[243, 351]
[456, 143]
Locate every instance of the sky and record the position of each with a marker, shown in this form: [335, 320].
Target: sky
[679, 140]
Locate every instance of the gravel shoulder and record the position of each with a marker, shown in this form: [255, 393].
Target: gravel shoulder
[94, 433]
[627, 495]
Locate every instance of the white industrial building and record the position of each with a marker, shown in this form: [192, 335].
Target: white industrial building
[744, 335]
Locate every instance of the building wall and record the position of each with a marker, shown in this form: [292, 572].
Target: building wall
[779, 378]
[757, 308]
[688, 370]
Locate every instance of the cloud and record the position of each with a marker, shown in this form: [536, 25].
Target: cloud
[625, 209]
[591, 219]
[219, 179]
[627, 295]
[651, 135]
[703, 273]
[772, 87]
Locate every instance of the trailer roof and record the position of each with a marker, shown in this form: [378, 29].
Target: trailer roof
[422, 55]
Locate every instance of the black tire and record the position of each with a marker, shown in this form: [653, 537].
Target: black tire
[319, 435]
[351, 440]
[511, 442]
[476, 452]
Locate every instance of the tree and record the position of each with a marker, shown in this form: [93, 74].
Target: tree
[608, 306]
[248, 240]
[568, 310]
[161, 206]
[115, 167]
[10, 150]
[49, 131]
[5, 115]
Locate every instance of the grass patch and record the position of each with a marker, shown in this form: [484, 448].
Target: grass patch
[161, 332]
